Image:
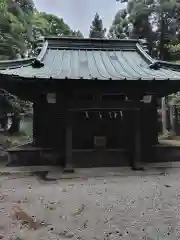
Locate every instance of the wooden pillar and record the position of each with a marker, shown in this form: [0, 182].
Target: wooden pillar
[137, 138]
[69, 161]
[35, 123]
[133, 138]
[172, 118]
[176, 120]
[164, 115]
[154, 122]
[39, 119]
[137, 144]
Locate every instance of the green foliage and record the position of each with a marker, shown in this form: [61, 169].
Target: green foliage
[97, 30]
[9, 103]
[44, 24]
[155, 20]
[76, 34]
[119, 28]
[40, 25]
[52, 25]
[174, 50]
[177, 62]
[21, 25]
[14, 29]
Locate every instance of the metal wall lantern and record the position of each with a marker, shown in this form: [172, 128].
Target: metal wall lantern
[51, 98]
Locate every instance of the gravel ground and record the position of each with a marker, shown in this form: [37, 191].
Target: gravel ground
[133, 207]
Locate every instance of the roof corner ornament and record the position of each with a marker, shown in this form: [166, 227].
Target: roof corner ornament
[155, 66]
[144, 44]
[37, 64]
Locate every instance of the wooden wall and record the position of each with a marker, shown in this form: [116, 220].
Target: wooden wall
[50, 127]
[85, 129]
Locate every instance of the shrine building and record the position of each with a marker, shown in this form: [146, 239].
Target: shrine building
[94, 100]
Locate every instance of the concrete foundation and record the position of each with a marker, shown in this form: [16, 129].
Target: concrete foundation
[27, 156]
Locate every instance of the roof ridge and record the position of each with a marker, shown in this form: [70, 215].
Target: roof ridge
[89, 39]
[42, 52]
[144, 54]
[76, 43]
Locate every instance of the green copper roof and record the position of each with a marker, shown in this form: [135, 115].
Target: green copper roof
[63, 58]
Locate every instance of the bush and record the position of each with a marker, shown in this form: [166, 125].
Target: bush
[174, 50]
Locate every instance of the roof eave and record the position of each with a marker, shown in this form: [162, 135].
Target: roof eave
[15, 63]
[150, 60]
[170, 65]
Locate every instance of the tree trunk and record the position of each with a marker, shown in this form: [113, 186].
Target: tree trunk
[15, 127]
[4, 122]
[164, 115]
[172, 119]
[163, 51]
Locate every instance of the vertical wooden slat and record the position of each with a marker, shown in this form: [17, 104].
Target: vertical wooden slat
[135, 146]
[35, 124]
[40, 113]
[137, 139]
[129, 127]
[69, 160]
[155, 119]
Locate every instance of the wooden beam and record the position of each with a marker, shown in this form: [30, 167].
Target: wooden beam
[103, 105]
[101, 109]
[137, 144]
[35, 119]
[69, 161]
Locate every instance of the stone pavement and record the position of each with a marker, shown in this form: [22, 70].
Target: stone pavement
[108, 208]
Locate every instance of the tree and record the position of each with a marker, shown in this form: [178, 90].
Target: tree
[97, 30]
[76, 34]
[55, 26]
[23, 10]
[44, 24]
[120, 27]
[10, 104]
[158, 22]
[155, 20]
[15, 32]
[174, 51]
[21, 25]
[133, 22]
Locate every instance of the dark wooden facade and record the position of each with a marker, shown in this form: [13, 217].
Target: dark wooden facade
[73, 122]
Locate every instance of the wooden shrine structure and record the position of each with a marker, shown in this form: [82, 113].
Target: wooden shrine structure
[92, 95]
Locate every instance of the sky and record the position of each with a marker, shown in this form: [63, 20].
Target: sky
[78, 14]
